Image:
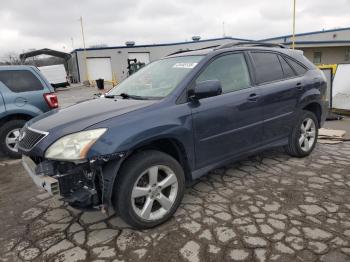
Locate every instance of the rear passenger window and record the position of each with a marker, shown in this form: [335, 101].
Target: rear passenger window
[287, 70]
[267, 67]
[231, 70]
[297, 67]
[20, 80]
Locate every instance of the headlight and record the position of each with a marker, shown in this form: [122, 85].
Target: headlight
[74, 146]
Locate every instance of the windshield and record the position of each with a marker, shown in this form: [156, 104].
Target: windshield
[157, 79]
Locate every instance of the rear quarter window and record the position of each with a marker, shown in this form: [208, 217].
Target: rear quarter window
[287, 70]
[298, 68]
[20, 80]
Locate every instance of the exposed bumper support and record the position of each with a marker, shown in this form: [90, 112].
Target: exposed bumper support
[84, 185]
[48, 183]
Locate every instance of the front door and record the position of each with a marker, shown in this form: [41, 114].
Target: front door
[230, 123]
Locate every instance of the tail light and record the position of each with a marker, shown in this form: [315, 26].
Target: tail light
[51, 100]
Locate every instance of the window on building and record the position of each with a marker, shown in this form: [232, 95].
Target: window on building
[347, 54]
[267, 67]
[317, 57]
[230, 70]
[20, 80]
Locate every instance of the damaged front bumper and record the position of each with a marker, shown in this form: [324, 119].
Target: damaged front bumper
[82, 185]
[48, 183]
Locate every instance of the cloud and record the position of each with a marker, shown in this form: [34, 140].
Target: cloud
[52, 24]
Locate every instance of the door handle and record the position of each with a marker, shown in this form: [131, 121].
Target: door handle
[299, 86]
[253, 97]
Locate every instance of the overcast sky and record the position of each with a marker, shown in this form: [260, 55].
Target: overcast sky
[35, 24]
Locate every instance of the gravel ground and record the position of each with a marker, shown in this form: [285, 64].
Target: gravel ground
[267, 208]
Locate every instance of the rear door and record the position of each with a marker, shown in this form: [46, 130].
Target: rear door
[281, 88]
[22, 89]
[231, 123]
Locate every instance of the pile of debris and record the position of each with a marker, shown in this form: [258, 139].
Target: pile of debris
[331, 136]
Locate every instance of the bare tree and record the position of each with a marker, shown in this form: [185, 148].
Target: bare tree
[11, 58]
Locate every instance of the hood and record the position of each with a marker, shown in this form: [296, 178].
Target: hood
[80, 116]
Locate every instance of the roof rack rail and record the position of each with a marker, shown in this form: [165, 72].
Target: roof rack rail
[190, 50]
[251, 43]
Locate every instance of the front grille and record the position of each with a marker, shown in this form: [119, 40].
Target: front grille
[28, 138]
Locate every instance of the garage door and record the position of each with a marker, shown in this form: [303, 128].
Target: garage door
[99, 68]
[141, 57]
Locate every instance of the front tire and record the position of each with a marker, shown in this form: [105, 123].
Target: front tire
[9, 133]
[149, 189]
[303, 137]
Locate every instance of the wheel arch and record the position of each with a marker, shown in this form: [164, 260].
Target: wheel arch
[168, 145]
[315, 108]
[16, 116]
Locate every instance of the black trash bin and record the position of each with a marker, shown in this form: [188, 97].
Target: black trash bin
[100, 84]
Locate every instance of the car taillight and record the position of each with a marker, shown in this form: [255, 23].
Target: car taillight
[51, 99]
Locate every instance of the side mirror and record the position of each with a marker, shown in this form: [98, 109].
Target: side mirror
[205, 89]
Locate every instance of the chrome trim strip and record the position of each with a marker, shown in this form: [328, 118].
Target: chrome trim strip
[38, 131]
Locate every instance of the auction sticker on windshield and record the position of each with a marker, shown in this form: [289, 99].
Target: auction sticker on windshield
[184, 65]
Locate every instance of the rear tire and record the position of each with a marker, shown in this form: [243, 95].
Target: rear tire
[303, 138]
[149, 188]
[8, 133]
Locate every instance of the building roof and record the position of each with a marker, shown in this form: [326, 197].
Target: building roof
[44, 51]
[308, 43]
[337, 43]
[165, 44]
[308, 33]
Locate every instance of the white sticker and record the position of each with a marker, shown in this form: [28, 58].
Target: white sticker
[185, 65]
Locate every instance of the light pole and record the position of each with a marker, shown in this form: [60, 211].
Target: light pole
[85, 55]
[293, 36]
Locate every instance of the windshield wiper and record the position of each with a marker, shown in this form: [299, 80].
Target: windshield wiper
[124, 96]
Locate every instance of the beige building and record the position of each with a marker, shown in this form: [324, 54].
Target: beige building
[321, 47]
[111, 63]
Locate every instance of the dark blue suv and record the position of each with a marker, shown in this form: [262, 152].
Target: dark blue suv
[172, 122]
[24, 94]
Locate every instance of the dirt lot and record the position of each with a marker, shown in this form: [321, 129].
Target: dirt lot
[269, 207]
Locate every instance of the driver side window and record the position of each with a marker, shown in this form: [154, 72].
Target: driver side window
[231, 70]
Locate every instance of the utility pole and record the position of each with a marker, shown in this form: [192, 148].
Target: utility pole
[293, 37]
[85, 54]
[72, 41]
[223, 29]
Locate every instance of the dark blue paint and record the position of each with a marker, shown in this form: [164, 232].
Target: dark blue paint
[212, 131]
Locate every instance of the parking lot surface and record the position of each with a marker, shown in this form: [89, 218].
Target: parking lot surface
[270, 207]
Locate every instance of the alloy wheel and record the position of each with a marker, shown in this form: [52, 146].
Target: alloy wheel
[154, 192]
[307, 134]
[12, 138]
